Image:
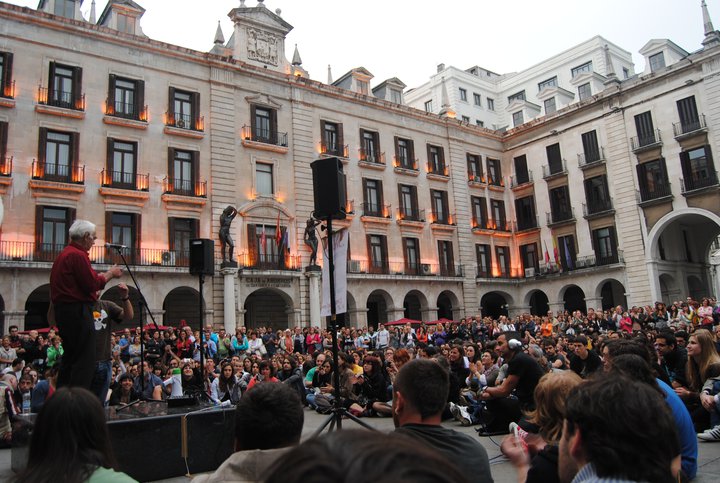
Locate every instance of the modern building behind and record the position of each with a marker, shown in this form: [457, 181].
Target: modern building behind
[608, 197]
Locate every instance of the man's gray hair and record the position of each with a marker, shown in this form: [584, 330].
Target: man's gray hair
[80, 228]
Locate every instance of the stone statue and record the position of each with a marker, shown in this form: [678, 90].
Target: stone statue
[226, 218]
[311, 239]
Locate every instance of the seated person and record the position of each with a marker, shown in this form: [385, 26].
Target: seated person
[125, 393]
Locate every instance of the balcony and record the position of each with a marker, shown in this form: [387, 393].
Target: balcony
[591, 158]
[652, 194]
[691, 128]
[6, 164]
[410, 214]
[559, 217]
[333, 149]
[492, 225]
[484, 272]
[475, 179]
[413, 269]
[528, 224]
[495, 181]
[264, 136]
[58, 173]
[47, 252]
[376, 210]
[260, 261]
[404, 165]
[436, 171]
[125, 181]
[442, 219]
[371, 159]
[597, 209]
[581, 263]
[128, 111]
[61, 99]
[521, 181]
[185, 187]
[8, 91]
[184, 125]
[645, 143]
[553, 171]
[696, 183]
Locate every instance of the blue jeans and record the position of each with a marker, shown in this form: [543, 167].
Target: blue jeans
[101, 380]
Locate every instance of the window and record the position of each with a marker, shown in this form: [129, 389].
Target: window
[555, 161]
[58, 157]
[466, 119]
[123, 229]
[518, 118]
[484, 260]
[373, 198]
[65, 8]
[525, 213]
[566, 251]
[581, 69]
[480, 123]
[396, 96]
[181, 231]
[560, 204]
[584, 91]
[121, 164]
[626, 72]
[597, 194]
[502, 254]
[5, 165]
[184, 110]
[64, 85]
[370, 146]
[518, 96]
[479, 212]
[125, 23]
[497, 207]
[463, 94]
[494, 173]
[645, 129]
[476, 99]
[51, 228]
[377, 252]
[264, 179]
[126, 98]
[689, 118]
[653, 180]
[332, 138]
[411, 250]
[439, 200]
[362, 86]
[183, 171]
[657, 62]
[6, 82]
[552, 82]
[605, 245]
[529, 257]
[264, 124]
[436, 160]
[405, 153]
[490, 104]
[263, 251]
[474, 167]
[550, 107]
[407, 196]
[522, 175]
[429, 106]
[698, 169]
[446, 258]
[591, 149]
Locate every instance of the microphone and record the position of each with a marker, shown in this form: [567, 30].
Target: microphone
[115, 245]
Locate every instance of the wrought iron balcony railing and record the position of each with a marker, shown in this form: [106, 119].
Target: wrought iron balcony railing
[184, 121]
[63, 99]
[126, 110]
[61, 173]
[591, 158]
[128, 181]
[266, 136]
[185, 187]
[376, 210]
[699, 181]
[410, 214]
[681, 129]
[371, 156]
[651, 140]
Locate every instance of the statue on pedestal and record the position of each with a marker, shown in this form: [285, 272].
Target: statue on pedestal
[226, 241]
[311, 239]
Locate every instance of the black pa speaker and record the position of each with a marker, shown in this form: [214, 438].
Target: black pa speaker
[329, 189]
[202, 256]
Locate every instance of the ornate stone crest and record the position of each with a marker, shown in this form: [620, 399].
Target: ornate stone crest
[263, 46]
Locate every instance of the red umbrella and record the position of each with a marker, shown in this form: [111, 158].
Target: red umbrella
[404, 321]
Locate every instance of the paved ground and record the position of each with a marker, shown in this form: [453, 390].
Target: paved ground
[709, 458]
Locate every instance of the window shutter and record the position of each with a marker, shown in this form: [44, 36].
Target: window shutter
[75, 150]
[110, 156]
[383, 240]
[381, 197]
[140, 99]
[253, 122]
[42, 144]
[252, 245]
[368, 244]
[451, 256]
[7, 72]
[195, 121]
[110, 108]
[341, 143]
[51, 82]
[195, 157]
[413, 191]
[171, 165]
[3, 141]
[429, 159]
[195, 227]
[365, 193]
[397, 149]
[171, 234]
[170, 121]
[411, 151]
[77, 87]
[273, 127]
[108, 227]
[685, 164]
[39, 227]
[138, 233]
[446, 206]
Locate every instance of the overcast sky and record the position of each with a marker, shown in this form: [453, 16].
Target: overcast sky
[408, 38]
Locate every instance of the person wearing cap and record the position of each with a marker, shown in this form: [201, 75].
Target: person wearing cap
[125, 393]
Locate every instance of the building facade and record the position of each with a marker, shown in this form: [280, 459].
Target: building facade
[580, 207]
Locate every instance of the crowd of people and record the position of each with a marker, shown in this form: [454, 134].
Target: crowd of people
[504, 374]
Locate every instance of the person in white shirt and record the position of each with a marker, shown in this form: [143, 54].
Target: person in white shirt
[382, 338]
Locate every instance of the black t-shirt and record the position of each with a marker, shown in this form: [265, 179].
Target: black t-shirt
[529, 373]
[584, 368]
[104, 313]
[460, 450]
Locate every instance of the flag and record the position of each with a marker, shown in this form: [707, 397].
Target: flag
[547, 254]
[263, 242]
[340, 247]
[278, 232]
[568, 258]
[556, 252]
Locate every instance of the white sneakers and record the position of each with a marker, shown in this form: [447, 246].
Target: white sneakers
[712, 434]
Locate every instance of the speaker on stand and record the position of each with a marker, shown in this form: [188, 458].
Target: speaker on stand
[202, 262]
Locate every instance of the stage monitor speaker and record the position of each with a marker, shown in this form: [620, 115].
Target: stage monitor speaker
[202, 256]
[329, 189]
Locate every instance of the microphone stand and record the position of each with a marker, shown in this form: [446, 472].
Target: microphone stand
[142, 303]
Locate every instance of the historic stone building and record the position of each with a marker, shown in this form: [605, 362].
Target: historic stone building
[578, 206]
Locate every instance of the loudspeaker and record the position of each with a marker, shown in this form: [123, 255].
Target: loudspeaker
[329, 189]
[202, 256]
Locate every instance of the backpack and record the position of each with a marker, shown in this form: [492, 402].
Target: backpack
[324, 403]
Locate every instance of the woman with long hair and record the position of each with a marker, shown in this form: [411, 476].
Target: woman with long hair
[70, 442]
[183, 346]
[266, 374]
[703, 363]
[373, 387]
[226, 386]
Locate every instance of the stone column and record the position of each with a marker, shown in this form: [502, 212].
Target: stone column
[395, 314]
[429, 314]
[229, 314]
[515, 310]
[557, 306]
[157, 315]
[593, 302]
[294, 317]
[241, 318]
[15, 317]
[458, 313]
[314, 299]
[358, 317]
